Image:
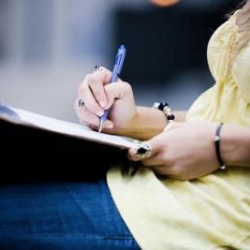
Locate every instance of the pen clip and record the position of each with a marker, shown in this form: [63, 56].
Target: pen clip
[120, 58]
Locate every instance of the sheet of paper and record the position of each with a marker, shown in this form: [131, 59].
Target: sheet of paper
[67, 128]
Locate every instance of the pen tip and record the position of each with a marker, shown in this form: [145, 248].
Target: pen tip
[101, 125]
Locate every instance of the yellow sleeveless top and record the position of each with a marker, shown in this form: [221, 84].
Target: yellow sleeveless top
[212, 212]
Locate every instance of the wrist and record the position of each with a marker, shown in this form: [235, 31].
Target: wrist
[146, 123]
[235, 146]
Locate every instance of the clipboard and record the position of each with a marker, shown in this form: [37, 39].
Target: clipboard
[36, 147]
[40, 122]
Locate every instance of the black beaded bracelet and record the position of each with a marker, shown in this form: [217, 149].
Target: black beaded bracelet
[164, 107]
[217, 146]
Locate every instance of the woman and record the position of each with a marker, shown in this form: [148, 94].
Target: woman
[210, 209]
[202, 205]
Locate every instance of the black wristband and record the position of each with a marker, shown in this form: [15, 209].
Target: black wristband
[217, 146]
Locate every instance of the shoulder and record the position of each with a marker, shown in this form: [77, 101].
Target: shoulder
[241, 71]
[219, 48]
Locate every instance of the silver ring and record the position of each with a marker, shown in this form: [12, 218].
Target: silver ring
[144, 151]
[80, 103]
[97, 68]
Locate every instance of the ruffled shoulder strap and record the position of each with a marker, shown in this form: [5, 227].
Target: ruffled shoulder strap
[220, 49]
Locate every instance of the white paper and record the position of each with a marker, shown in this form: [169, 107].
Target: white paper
[68, 128]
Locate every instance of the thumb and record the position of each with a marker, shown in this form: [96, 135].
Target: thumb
[171, 126]
[145, 151]
[133, 156]
[116, 91]
[154, 145]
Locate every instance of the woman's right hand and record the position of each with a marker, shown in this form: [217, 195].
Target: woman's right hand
[98, 94]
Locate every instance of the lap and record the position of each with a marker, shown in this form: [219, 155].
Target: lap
[61, 215]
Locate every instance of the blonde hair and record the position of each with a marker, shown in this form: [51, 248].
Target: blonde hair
[243, 24]
[243, 17]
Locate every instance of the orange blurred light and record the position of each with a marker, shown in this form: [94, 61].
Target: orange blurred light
[164, 3]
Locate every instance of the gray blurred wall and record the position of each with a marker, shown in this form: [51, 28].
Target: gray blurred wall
[47, 46]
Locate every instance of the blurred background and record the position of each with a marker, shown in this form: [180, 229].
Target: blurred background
[48, 46]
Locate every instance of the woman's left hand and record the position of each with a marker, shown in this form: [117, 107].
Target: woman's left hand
[184, 151]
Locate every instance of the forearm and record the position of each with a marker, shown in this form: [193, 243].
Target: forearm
[235, 145]
[150, 122]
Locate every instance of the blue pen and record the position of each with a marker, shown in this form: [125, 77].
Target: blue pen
[120, 57]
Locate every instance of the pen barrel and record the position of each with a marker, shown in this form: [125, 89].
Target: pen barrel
[105, 115]
[114, 78]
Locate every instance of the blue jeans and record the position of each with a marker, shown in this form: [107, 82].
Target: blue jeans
[61, 215]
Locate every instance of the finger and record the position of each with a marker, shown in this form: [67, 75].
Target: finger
[96, 84]
[96, 81]
[144, 152]
[107, 126]
[133, 156]
[87, 118]
[156, 157]
[106, 75]
[171, 171]
[171, 126]
[162, 170]
[91, 120]
[86, 95]
[78, 107]
[117, 91]
[154, 160]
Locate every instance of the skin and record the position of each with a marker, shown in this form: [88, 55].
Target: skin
[243, 20]
[184, 151]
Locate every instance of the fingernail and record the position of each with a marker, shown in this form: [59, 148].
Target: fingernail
[110, 125]
[100, 113]
[133, 156]
[133, 152]
[102, 104]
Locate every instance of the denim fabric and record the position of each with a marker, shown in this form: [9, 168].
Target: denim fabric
[61, 215]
